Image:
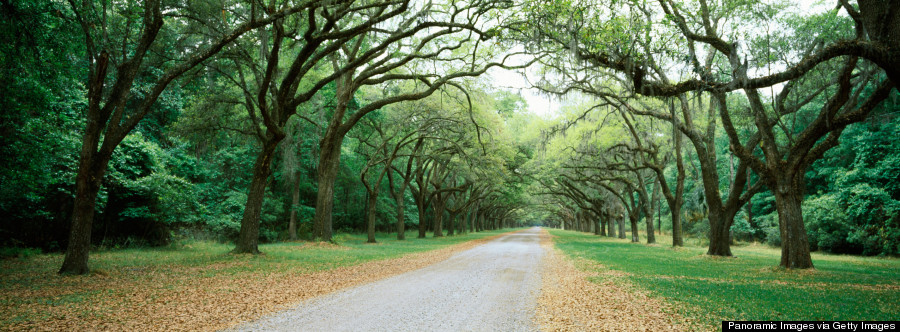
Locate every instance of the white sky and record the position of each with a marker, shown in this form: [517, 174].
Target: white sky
[537, 103]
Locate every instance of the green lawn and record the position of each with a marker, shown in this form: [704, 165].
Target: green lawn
[749, 286]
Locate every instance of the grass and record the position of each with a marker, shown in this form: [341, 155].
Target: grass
[749, 286]
[31, 291]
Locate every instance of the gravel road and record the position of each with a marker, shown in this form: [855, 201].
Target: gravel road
[492, 287]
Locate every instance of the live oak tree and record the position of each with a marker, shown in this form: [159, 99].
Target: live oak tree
[442, 128]
[648, 151]
[274, 89]
[399, 186]
[783, 162]
[442, 36]
[584, 77]
[386, 141]
[126, 44]
[216, 116]
[632, 45]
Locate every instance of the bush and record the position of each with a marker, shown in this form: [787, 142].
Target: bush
[741, 229]
[700, 229]
[826, 225]
[875, 218]
[15, 252]
[769, 224]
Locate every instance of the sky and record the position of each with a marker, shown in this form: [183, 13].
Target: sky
[537, 102]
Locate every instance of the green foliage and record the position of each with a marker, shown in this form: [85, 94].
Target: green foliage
[40, 95]
[742, 229]
[226, 221]
[21, 253]
[827, 226]
[770, 226]
[142, 189]
[857, 206]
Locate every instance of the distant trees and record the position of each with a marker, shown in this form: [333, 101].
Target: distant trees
[428, 48]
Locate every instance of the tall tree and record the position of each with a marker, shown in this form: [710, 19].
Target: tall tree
[122, 40]
[434, 34]
[274, 94]
[637, 56]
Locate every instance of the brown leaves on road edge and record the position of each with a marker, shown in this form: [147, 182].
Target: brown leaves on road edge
[180, 300]
[569, 302]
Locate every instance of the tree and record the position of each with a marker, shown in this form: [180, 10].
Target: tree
[434, 33]
[275, 93]
[782, 166]
[112, 109]
[398, 188]
[385, 150]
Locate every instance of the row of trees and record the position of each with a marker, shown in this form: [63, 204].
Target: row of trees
[745, 97]
[167, 102]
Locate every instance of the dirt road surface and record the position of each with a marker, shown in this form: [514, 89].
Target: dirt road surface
[492, 287]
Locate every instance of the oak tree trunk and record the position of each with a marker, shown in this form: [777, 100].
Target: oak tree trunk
[651, 236]
[473, 217]
[370, 215]
[677, 234]
[635, 237]
[438, 217]
[248, 239]
[621, 227]
[610, 226]
[87, 186]
[295, 203]
[604, 221]
[719, 241]
[451, 225]
[794, 242]
[326, 173]
[401, 217]
[420, 205]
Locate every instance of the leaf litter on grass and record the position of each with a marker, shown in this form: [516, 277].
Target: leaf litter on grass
[569, 301]
[166, 298]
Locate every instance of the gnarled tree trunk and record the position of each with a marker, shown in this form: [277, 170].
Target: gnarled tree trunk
[370, 215]
[401, 216]
[635, 237]
[87, 185]
[422, 224]
[438, 206]
[794, 242]
[326, 174]
[604, 221]
[621, 226]
[651, 236]
[248, 239]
